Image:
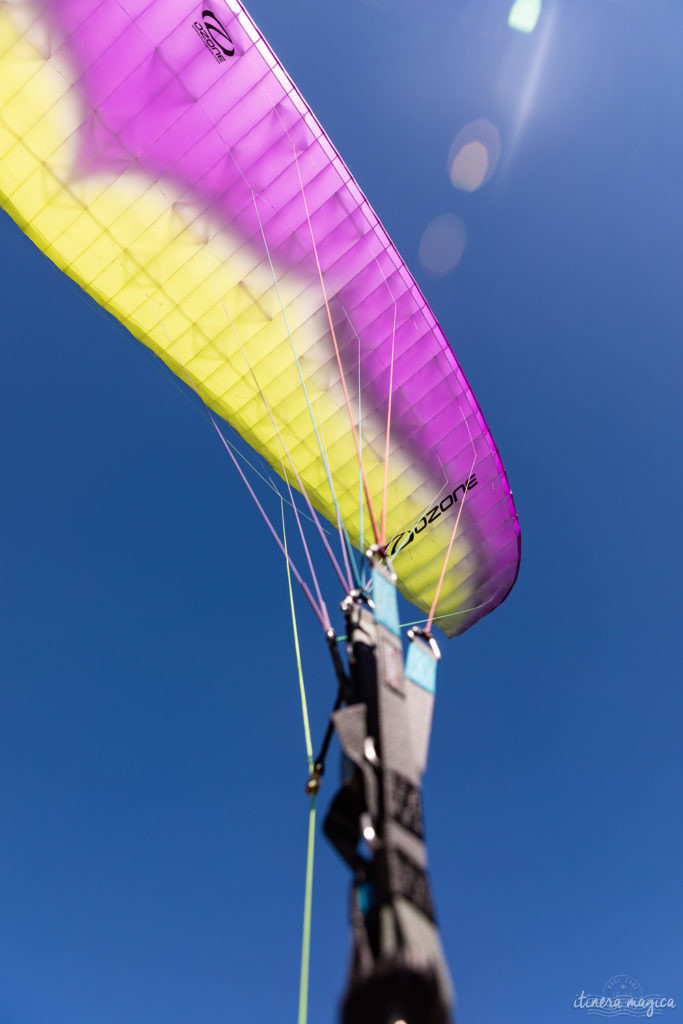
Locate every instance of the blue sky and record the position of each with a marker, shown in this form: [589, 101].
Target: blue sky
[151, 747]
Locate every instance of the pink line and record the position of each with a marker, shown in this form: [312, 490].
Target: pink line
[383, 531]
[339, 362]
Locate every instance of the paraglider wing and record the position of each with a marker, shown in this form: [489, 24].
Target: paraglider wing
[160, 155]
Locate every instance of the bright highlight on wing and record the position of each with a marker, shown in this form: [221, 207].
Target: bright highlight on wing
[160, 155]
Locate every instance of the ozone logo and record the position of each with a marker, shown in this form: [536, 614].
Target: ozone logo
[423, 522]
[215, 36]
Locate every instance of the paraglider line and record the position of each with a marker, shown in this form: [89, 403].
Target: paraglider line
[339, 362]
[347, 550]
[256, 501]
[301, 376]
[270, 526]
[342, 638]
[308, 906]
[297, 648]
[163, 368]
[383, 528]
[345, 583]
[391, 392]
[361, 508]
[437, 593]
[424, 511]
[310, 845]
[314, 577]
[361, 505]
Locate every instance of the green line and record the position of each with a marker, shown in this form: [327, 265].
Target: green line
[421, 622]
[310, 847]
[308, 904]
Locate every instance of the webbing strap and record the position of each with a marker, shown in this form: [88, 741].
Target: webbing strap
[376, 819]
[404, 802]
[401, 876]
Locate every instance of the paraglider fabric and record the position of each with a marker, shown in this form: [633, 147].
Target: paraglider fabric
[159, 154]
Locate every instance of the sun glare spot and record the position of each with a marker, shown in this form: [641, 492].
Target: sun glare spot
[469, 168]
[474, 155]
[442, 244]
[524, 14]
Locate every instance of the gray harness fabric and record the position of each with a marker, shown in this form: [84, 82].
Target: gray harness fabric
[398, 970]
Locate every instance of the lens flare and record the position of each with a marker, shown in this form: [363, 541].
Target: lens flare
[474, 155]
[442, 244]
[524, 15]
[469, 168]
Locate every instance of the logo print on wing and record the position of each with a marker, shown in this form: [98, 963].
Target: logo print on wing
[216, 37]
[444, 505]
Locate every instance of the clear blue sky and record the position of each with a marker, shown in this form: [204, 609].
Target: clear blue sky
[151, 748]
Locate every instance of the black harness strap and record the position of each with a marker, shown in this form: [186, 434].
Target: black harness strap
[398, 971]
